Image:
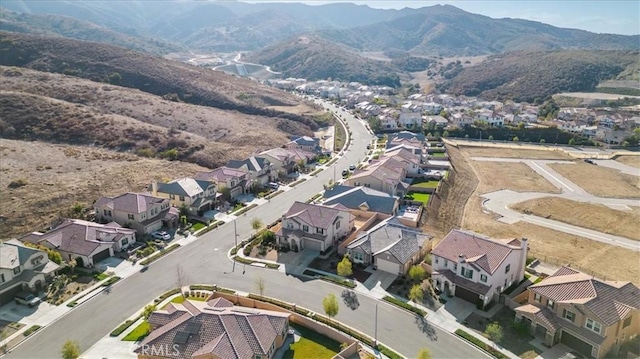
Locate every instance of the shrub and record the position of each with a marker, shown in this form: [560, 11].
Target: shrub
[18, 183]
[166, 295]
[389, 353]
[343, 282]
[404, 305]
[480, 344]
[122, 327]
[31, 330]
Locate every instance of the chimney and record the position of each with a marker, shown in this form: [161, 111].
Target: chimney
[461, 258]
[154, 188]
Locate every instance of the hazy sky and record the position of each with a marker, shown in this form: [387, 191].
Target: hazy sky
[615, 16]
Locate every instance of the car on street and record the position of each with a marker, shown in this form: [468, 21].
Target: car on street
[273, 185]
[587, 160]
[345, 173]
[165, 236]
[352, 168]
[27, 299]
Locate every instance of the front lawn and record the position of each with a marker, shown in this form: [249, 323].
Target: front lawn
[420, 197]
[311, 345]
[139, 333]
[425, 184]
[198, 226]
[437, 154]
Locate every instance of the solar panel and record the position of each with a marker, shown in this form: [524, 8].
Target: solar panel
[181, 337]
[193, 327]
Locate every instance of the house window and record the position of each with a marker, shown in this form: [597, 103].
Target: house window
[550, 303]
[467, 273]
[537, 297]
[569, 315]
[181, 198]
[36, 261]
[289, 225]
[446, 263]
[2, 280]
[358, 256]
[320, 231]
[508, 268]
[305, 228]
[172, 196]
[125, 241]
[626, 323]
[16, 270]
[436, 260]
[338, 224]
[130, 216]
[455, 267]
[483, 278]
[505, 282]
[593, 325]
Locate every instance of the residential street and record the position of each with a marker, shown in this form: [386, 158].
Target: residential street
[205, 261]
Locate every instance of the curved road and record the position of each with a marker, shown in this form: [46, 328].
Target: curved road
[205, 261]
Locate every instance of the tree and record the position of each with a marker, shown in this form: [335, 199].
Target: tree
[331, 306]
[345, 268]
[416, 273]
[256, 224]
[146, 312]
[424, 353]
[572, 142]
[70, 350]
[54, 256]
[183, 221]
[491, 138]
[515, 139]
[416, 294]
[494, 331]
[445, 134]
[260, 285]
[181, 278]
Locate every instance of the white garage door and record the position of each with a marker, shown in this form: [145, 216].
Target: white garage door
[313, 245]
[387, 266]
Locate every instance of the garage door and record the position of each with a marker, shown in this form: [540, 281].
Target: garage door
[387, 266]
[100, 256]
[313, 245]
[576, 343]
[467, 295]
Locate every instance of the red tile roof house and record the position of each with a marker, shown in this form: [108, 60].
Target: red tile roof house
[314, 226]
[590, 315]
[89, 241]
[213, 329]
[477, 268]
[140, 211]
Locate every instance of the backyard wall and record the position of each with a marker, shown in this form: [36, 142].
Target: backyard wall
[517, 301]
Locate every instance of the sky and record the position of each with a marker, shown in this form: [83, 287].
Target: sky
[600, 16]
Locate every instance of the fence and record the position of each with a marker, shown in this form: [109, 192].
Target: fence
[558, 262]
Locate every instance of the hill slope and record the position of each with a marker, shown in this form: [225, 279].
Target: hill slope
[527, 76]
[313, 58]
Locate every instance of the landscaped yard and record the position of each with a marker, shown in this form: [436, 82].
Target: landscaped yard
[311, 345]
[198, 226]
[420, 197]
[425, 183]
[139, 333]
[437, 154]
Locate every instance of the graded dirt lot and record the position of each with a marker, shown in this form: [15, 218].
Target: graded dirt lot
[515, 153]
[57, 177]
[593, 216]
[600, 181]
[511, 175]
[460, 207]
[633, 161]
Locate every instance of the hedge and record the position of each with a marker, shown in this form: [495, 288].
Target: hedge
[166, 295]
[110, 281]
[314, 198]
[122, 327]
[403, 305]
[245, 209]
[297, 182]
[249, 261]
[160, 254]
[316, 172]
[389, 353]
[339, 281]
[274, 194]
[31, 330]
[480, 344]
[211, 227]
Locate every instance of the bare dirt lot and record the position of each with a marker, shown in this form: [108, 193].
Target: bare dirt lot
[630, 160]
[514, 153]
[600, 181]
[56, 177]
[593, 216]
[558, 248]
[511, 175]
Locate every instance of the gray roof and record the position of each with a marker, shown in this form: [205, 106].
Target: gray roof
[188, 187]
[313, 214]
[406, 135]
[14, 254]
[130, 202]
[215, 327]
[253, 164]
[220, 174]
[306, 141]
[389, 236]
[356, 197]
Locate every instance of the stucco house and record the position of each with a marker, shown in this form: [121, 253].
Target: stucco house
[313, 226]
[225, 178]
[362, 199]
[197, 196]
[23, 269]
[477, 268]
[386, 175]
[390, 247]
[592, 316]
[306, 143]
[258, 169]
[215, 329]
[410, 120]
[140, 211]
[89, 241]
[283, 160]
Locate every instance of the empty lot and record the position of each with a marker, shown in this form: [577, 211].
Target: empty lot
[515, 153]
[633, 161]
[600, 181]
[515, 176]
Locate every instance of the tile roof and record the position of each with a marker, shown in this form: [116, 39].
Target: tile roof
[215, 327]
[387, 170]
[608, 301]
[477, 288]
[313, 214]
[479, 250]
[542, 314]
[220, 174]
[389, 236]
[129, 202]
[355, 197]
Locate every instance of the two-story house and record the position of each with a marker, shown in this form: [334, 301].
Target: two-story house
[477, 268]
[592, 316]
[231, 180]
[410, 120]
[197, 196]
[258, 169]
[283, 160]
[361, 199]
[386, 175]
[410, 159]
[313, 226]
[461, 120]
[85, 242]
[306, 143]
[140, 211]
[23, 269]
[491, 118]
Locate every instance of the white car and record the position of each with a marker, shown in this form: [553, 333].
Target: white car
[161, 235]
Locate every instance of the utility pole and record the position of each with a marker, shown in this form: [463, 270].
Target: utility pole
[235, 238]
[375, 328]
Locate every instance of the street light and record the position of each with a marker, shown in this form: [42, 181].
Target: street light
[235, 238]
[375, 328]
[480, 135]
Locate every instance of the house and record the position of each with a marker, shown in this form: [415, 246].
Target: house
[197, 196]
[410, 120]
[389, 246]
[407, 156]
[362, 199]
[406, 135]
[477, 268]
[141, 211]
[461, 120]
[592, 316]
[231, 180]
[306, 143]
[258, 168]
[437, 121]
[314, 226]
[283, 161]
[432, 108]
[213, 329]
[491, 118]
[23, 269]
[86, 242]
[386, 175]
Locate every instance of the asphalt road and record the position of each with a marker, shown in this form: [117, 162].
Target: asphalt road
[206, 261]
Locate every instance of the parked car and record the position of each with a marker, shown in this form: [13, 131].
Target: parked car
[352, 168]
[345, 173]
[587, 160]
[131, 250]
[26, 298]
[161, 235]
[273, 185]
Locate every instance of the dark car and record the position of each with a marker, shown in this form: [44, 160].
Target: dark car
[28, 299]
[589, 161]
